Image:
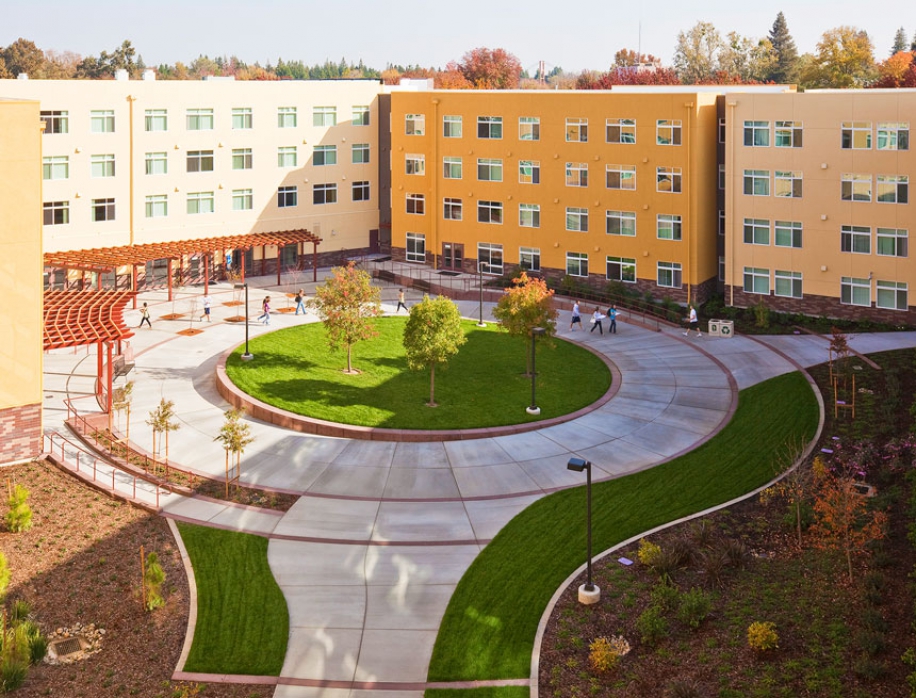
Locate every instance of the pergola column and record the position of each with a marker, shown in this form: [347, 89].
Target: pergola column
[243, 254]
[314, 261]
[278, 265]
[133, 282]
[169, 272]
[206, 273]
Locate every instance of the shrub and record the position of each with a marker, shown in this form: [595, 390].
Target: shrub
[4, 576]
[652, 626]
[694, 607]
[714, 564]
[12, 672]
[762, 636]
[738, 554]
[761, 315]
[19, 516]
[153, 577]
[683, 550]
[702, 533]
[684, 689]
[874, 620]
[872, 642]
[648, 552]
[870, 669]
[665, 595]
[20, 611]
[605, 653]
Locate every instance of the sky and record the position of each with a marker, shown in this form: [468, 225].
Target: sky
[584, 34]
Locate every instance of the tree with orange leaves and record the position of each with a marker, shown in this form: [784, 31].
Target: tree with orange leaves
[527, 303]
[491, 69]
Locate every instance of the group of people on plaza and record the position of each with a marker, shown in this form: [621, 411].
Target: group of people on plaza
[598, 319]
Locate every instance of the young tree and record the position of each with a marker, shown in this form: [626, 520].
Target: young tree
[19, 515]
[235, 436]
[347, 302]
[900, 42]
[161, 420]
[433, 333]
[696, 53]
[785, 67]
[527, 303]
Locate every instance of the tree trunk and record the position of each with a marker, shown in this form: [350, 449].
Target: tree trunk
[349, 366]
[432, 385]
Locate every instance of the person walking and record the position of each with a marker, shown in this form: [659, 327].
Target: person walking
[300, 301]
[612, 319]
[144, 317]
[692, 322]
[576, 317]
[264, 317]
[401, 302]
[208, 302]
[597, 317]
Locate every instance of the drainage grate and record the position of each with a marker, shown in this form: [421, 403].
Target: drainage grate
[70, 645]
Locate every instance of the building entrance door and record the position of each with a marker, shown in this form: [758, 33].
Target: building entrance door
[452, 256]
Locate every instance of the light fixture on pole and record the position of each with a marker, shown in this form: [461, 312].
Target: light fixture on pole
[588, 593]
[533, 409]
[480, 322]
[247, 356]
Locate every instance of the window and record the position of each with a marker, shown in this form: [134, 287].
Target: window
[451, 168]
[855, 291]
[287, 197]
[489, 212]
[241, 159]
[891, 242]
[529, 128]
[360, 153]
[577, 219]
[102, 165]
[415, 164]
[200, 119]
[200, 161]
[620, 131]
[416, 204]
[361, 115]
[787, 283]
[416, 247]
[855, 239]
[242, 199]
[621, 269]
[157, 206]
[788, 134]
[324, 194]
[489, 170]
[756, 280]
[891, 295]
[787, 184]
[529, 172]
[287, 156]
[668, 274]
[893, 136]
[102, 121]
[668, 132]
[621, 223]
[721, 222]
[668, 227]
[668, 179]
[721, 130]
[620, 177]
[360, 191]
[286, 117]
[56, 121]
[855, 135]
[721, 176]
[576, 174]
[451, 209]
[241, 118]
[55, 167]
[856, 187]
[451, 126]
[156, 120]
[324, 116]
[577, 264]
[756, 231]
[787, 234]
[892, 189]
[415, 124]
[576, 130]
[757, 182]
[103, 210]
[56, 212]
[529, 215]
[489, 258]
[201, 202]
[490, 127]
[529, 258]
[757, 134]
[324, 155]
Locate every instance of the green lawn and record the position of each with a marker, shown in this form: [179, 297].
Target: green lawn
[489, 627]
[242, 619]
[483, 385]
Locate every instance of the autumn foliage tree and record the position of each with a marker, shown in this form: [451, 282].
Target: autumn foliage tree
[527, 303]
[433, 333]
[491, 69]
[897, 71]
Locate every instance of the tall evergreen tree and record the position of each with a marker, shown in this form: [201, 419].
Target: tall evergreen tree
[899, 42]
[785, 67]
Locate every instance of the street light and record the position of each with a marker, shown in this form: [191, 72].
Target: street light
[588, 593]
[480, 322]
[247, 356]
[533, 408]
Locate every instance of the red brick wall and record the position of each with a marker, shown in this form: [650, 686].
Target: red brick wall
[823, 306]
[20, 433]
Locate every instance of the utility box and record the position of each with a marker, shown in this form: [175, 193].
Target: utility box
[726, 329]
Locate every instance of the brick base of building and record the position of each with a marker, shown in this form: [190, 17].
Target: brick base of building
[20, 433]
[821, 306]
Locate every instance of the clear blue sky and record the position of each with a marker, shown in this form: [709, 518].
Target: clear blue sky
[573, 35]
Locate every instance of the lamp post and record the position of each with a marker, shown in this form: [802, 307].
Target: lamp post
[480, 322]
[247, 356]
[588, 593]
[533, 408]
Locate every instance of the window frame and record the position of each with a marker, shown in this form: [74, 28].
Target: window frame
[156, 120]
[535, 176]
[452, 126]
[756, 281]
[669, 226]
[794, 281]
[154, 203]
[450, 165]
[55, 167]
[896, 186]
[624, 128]
[848, 288]
[414, 124]
[102, 121]
[756, 231]
[529, 259]
[242, 199]
[324, 193]
[415, 252]
[755, 182]
[674, 270]
[287, 156]
[489, 170]
[624, 176]
[855, 239]
[242, 159]
[287, 117]
[415, 204]
[576, 174]
[793, 229]
[360, 190]
[625, 269]
[884, 287]
[360, 154]
[324, 155]
[673, 127]
[490, 212]
[899, 242]
[856, 186]
[57, 121]
[672, 174]
[532, 132]
[576, 219]
[787, 184]
[490, 258]
[197, 161]
[623, 226]
[452, 208]
[199, 119]
[896, 136]
[199, 200]
[102, 165]
[324, 116]
[490, 128]
[415, 164]
[855, 135]
[242, 118]
[577, 264]
[576, 129]
[788, 134]
[59, 212]
[529, 215]
[360, 115]
[288, 196]
[105, 207]
[757, 134]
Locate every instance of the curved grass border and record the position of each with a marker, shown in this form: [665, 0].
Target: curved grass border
[489, 627]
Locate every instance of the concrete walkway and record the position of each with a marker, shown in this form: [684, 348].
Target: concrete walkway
[370, 554]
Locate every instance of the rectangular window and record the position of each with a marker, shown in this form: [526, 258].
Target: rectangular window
[324, 155]
[415, 164]
[324, 194]
[668, 227]
[855, 291]
[529, 215]
[757, 182]
[103, 210]
[241, 118]
[242, 199]
[451, 209]
[416, 204]
[529, 172]
[451, 168]
[855, 239]
[361, 115]
[756, 280]
[621, 223]
[787, 283]
[787, 234]
[855, 187]
[577, 264]
[451, 126]
[201, 202]
[360, 153]
[891, 295]
[668, 179]
[892, 189]
[287, 117]
[489, 170]
[621, 131]
[490, 127]
[200, 119]
[157, 206]
[576, 130]
[102, 165]
[102, 121]
[891, 242]
[621, 269]
[529, 128]
[56, 121]
[893, 136]
[287, 197]
[489, 258]
[787, 184]
[56, 212]
[490, 212]
[241, 159]
[620, 177]
[757, 134]
[416, 247]
[721, 130]
[529, 258]
[577, 219]
[855, 135]
[756, 231]
[576, 174]
[156, 120]
[788, 134]
[360, 191]
[414, 124]
[668, 132]
[55, 167]
[287, 156]
[668, 274]
[200, 161]
[324, 116]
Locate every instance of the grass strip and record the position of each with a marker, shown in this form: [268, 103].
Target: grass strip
[242, 620]
[481, 692]
[489, 627]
